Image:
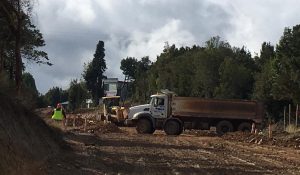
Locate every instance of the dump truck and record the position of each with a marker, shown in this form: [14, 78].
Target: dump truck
[173, 114]
[112, 110]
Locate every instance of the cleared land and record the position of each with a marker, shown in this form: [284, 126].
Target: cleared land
[131, 153]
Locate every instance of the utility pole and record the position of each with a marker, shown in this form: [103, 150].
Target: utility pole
[297, 108]
[289, 114]
[284, 118]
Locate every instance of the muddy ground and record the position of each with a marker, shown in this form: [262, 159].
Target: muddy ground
[129, 153]
[108, 149]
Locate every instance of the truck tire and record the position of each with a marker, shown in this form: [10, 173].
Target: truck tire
[245, 127]
[173, 127]
[144, 126]
[223, 127]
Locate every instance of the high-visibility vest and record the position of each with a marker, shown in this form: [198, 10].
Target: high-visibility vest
[58, 115]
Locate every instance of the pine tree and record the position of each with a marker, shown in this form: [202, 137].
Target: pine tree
[93, 73]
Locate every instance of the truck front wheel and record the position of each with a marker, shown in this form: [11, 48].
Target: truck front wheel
[144, 126]
[173, 127]
[245, 127]
[223, 127]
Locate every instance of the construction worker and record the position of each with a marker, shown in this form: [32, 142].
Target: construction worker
[58, 114]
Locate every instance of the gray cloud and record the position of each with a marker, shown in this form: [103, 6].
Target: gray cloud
[72, 29]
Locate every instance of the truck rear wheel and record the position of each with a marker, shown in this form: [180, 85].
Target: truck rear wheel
[223, 127]
[245, 127]
[144, 126]
[173, 127]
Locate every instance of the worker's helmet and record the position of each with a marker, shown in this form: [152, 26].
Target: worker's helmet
[58, 105]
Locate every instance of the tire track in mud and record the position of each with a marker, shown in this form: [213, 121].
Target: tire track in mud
[218, 152]
[176, 155]
[185, 154]
[197, 157]
[267, 159]
[136, 154]
[194, 154]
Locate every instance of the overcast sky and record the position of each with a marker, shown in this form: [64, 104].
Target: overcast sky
[137, 28]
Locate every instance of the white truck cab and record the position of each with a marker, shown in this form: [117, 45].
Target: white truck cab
[157, 108]
[150, 116]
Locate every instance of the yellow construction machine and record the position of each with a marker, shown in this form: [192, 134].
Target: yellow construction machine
[113, 111]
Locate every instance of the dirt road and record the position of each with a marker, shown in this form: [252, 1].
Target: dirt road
[131, 153]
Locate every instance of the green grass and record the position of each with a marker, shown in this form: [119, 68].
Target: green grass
[292, 129]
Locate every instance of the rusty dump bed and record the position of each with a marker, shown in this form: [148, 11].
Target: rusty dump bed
[213, 108]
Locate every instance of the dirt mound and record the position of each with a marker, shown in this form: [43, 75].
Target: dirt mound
[237, 136]
[73, 119]
[108, 128]
[26, 141]
[76, 122]
[205, 133]
[287, 140]
[99, 128]
[279, 139]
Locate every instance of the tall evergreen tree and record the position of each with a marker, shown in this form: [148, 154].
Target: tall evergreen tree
[129, 67]
[19, 38]
[77, 94]
[236, 80]
[93, 73]
[137, 72]
[29, 82]
[14, 12]
[54, 96]
[287, 84]
[207, 63]
[264, 78]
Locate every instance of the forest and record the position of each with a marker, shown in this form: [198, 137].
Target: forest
[219, 70]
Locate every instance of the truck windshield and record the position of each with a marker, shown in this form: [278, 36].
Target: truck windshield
[151, 100]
